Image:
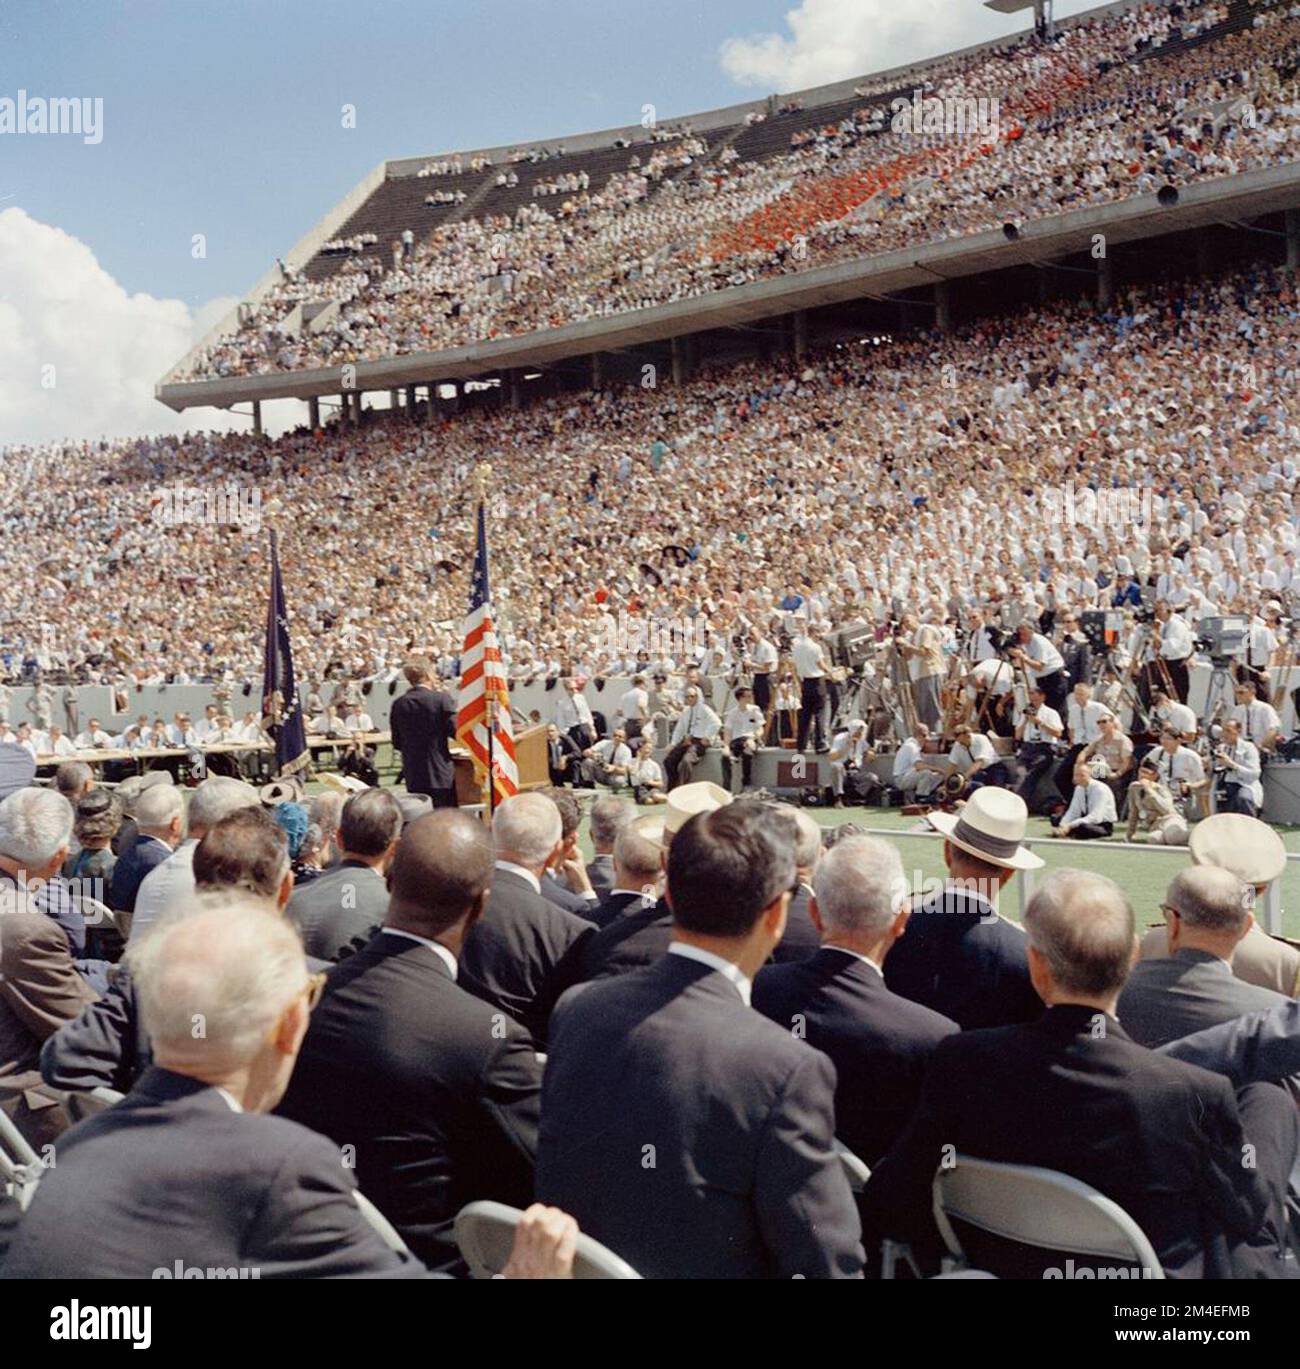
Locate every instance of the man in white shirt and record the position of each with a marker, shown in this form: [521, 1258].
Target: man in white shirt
[356, 720]
[916, 776]
[850, 752]
[634, 707]
[646, 777]
[207, 724]
[1171, 714]
[180, 732]
[1257, 718]
[761, 662]
[1045, 665]
[1039, 731]
[1238, 759]
[1179, 769]
[742, 731]
[94, 738]
[56, 744]
[1175, 645]
[610, 759]
[573, 714]
[1091, 812]
[971, 757]
[25, 739]
[810, 665]
[170, 884]
[693, 734]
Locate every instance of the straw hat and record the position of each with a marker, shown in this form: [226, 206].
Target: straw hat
[683, 803]
[342, 784]
[991, 826]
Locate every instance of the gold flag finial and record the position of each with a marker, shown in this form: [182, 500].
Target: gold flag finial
[482, 474]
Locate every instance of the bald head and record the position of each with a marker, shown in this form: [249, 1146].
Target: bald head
[214, 983]
[526, 829]
[1208, 909]
[440, 874]
[1081, 937]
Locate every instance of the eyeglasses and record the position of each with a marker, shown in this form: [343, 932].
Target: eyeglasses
[315, 990]
[1169, 910]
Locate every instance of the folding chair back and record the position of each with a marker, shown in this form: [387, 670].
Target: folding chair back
[485, 1233]
[1038, 1207]
[20, 1166]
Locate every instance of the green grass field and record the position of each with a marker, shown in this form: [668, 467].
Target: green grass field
[1143, 874]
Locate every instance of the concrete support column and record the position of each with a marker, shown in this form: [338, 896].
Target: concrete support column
[515, 388]
[1105, 282]
[257, 417]
[800, 333]
[1044, 285]
[943, 307]
[1293, 239]
[597, 370]
[681, 361]
[313, 412]
[410, 402]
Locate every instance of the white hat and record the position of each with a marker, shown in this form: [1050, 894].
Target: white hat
[342, 784]
[992, 827]
[1251, 849]
[683, 803]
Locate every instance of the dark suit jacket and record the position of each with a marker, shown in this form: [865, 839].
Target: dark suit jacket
[564, 897]
[692, 1136]
[172, 1174]
[422, 722]
[1173, 997]
[340, 909]
[512, 950]
[1161, 1138]
[40, 990]
[801, 939]
[1263, 1047]
[601, 874]
[612, 906]
[638, 937]
[879, 1043]
[960, 959]
[131, 868]
[440, 1102]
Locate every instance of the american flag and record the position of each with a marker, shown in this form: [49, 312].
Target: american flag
[483, 680]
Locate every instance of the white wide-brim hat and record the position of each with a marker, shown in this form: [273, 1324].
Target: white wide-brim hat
[683, 803]
[990, 826]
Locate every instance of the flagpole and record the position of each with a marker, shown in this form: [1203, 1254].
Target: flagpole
[481, 473]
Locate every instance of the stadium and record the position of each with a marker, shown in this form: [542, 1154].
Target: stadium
[713, 698]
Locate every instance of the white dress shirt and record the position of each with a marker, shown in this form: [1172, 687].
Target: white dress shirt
[437, 948]
[726, 968]
[1092, 803]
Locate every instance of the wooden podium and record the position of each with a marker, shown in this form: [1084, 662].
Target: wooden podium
[530, 756]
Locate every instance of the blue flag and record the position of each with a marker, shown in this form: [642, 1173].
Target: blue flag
[281, 707]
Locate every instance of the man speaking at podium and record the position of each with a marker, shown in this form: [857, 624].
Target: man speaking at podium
[423, 721]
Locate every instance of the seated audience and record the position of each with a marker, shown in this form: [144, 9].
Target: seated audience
[1072, 1092]
[689, 1134]
[438, 1100]
[338, 912]
[879, 1043]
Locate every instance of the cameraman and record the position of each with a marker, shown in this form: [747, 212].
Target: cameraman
[1237, 764]
[1175, 645]
[1039, 731]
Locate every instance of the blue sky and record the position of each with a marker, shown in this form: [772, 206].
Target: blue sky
[224, 119]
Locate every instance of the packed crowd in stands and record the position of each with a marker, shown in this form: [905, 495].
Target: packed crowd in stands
[834, 481]
[1078, 122]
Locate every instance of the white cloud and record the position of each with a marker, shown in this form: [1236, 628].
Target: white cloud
[830, 40]
[79, 355]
